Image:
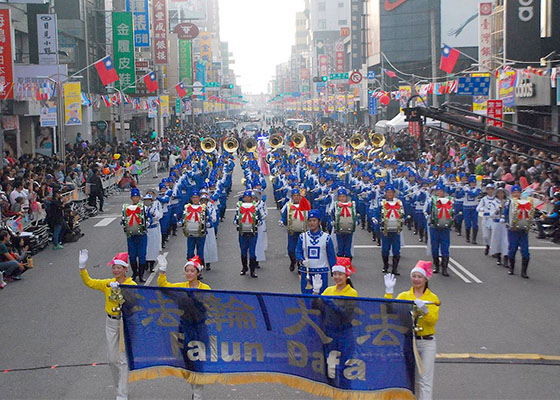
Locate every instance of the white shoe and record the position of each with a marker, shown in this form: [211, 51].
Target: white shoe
[2, 283]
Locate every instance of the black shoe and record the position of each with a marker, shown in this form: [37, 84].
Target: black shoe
[244, 264]
[486, 250]
[474, 233]
[499, 261]
[208, 267]
[252, 266]
[511, 266]
[435, 268]
[242, 273]
[444, 263]
[524, 266]
[396, 265]
[468, 234]
[385, 264]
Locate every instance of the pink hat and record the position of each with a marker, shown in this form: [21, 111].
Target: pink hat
[195, 262]
[344, 265]
[119, 259]
[423, 267]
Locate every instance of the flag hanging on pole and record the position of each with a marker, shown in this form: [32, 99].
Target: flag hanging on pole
[390, 74]
[151, 82]
[449, 58]
[180, 88]
[106, 70]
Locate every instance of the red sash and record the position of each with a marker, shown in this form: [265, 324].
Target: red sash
[523, 210]
[298, 214]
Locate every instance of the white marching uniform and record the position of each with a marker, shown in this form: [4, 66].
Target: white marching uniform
[210, 244]
[487, 208]
[262, 235]
[153, 214]
[499, 243]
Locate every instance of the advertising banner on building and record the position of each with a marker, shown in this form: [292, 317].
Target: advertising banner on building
[339, 58]
[141, 16]
[160, 31]
[495, 110]
[523, 30]
[356, 11]
[6, 61]
[165, 106]
[323, 65]
[185, 64]
[47, 39]
[72, 103]
[48, 116]
[205, 39]
[405, 92]
[506, 90]
[479, 104]
[123, 49]
[484, 31]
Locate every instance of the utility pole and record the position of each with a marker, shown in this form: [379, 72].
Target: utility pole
[434, 53]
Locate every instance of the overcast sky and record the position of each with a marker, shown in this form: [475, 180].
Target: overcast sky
[260, 35]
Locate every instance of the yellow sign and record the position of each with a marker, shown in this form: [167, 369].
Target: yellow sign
[165, 106]
[73, 103]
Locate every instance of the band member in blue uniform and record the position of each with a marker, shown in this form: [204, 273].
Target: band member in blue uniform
[390, 217]
[440, 213]
[294, 217]
[315, 254]
[344, 222]
[134, 224]
[195, 226]
[247, 219]
[469, 209]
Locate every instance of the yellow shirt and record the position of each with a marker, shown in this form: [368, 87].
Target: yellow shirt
[428, 321]
[162, 282]
[348, 291]
[103, 285]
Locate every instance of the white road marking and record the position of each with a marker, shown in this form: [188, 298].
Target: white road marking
[460, 275]
[156, 271]
[420, 246]
[235, 209]
[466, 271]
[105, 221]
[106, 216]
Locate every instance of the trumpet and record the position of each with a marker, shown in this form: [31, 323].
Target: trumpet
[208, 145]
[299, 140]
[231, 144]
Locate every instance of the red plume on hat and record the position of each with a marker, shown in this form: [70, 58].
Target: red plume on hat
[346, 263]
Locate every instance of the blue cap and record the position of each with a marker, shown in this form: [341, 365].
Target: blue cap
[195, 193]
[447, 165]
[148, 197]
[515, 188]
[342, 191]
[247, 193]
[295, 191]
[440, 186]
[472, 179]
[134, 192]
[390, 186]
[161, 185]
[314, 214]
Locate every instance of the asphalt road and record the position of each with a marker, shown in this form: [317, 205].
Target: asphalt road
[51, 318]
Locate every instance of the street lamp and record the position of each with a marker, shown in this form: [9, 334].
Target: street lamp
[59, 110]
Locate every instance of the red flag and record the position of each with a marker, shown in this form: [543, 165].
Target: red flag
[180, 88]
[151, 82]
[106, 70]
[449, 58]
[390, 74]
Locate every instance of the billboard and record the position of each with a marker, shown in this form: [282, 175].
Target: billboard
[523, 30]
[459, 23]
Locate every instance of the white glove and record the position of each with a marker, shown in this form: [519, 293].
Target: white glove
[83, 258]
[390, 282]
[374, 221]
[162, 263]
[502, 220]
[317, 283]
[280, 223]
[421, 305]
[114, 285]
[306, 263]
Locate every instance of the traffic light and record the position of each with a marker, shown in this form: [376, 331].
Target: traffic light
[227, 86]
[319, 79]
[324, 78]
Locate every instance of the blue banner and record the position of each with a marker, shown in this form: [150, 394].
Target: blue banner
[325, 345]
[473, 86]
[141, 18]
[372, 104]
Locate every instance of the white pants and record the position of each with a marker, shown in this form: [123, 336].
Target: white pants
[197, 392]
[425, 382]
[117, 358]
[487, 226]
[154, 166]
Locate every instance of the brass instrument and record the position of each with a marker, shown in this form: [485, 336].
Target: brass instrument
[276, 141]
[117, 296]
[377, 139]
[231, 144]
[357, 141]
[299, 140]
[250, 145]
[208, 145]
[373, 152]
[327, 143]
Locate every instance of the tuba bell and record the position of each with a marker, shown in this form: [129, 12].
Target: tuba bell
[276, 141]
[250, 145]
[377, 139]
[327, 143]
[231, 144]
[298, 139]
[208, 145]
[357, 141]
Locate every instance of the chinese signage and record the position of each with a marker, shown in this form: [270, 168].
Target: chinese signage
[347, 347]
[165, 106]
[47, 39]
[474, 85]
[123, 49]
[495, 110]
[484, 30]
[186, 30]
[48, 116]
[185, 64]
[339, 57]
[141, 16]
[177, 106]
[373, 104]
[506, 90]
[356, 11]
[160, 31]
[6, 61]
[72, 103]
[323, 65]
[206, 52]
[339, 76]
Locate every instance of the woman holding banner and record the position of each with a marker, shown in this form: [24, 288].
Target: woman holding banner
[428, 305]
[193, 268]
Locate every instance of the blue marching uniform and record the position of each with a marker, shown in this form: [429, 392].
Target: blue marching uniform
[518, 238]
[440, 235]
[317, 250]
[470, 214]
[137, 245]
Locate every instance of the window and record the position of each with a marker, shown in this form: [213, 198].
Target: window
[322, 24]
[342, 22]
[323, 6]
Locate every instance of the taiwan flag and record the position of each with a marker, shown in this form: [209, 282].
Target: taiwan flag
[151, 82]
[180, 88]
[106, 70]
[449, 58]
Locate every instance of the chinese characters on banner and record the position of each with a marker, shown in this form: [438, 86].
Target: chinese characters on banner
[356, 11]
[185, 64]
[349, 347]
[123, 49]
[414, 128]
[484, 50]
[141, 16]
[47, 39]
[73, 103]
[165, 106]
[323, 65]
[6, 61]
[494, 110]
[160, 31]
[206, 53]
[339, 58]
